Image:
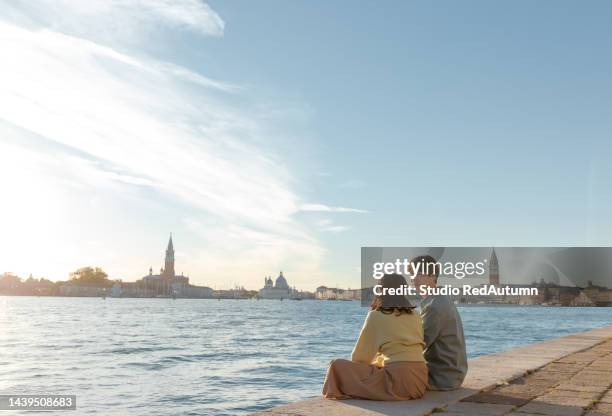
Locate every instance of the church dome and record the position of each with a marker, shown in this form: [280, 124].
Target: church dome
[281, 282]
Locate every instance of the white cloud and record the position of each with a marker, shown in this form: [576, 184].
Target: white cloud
[196, 78]
[123, 122]
[328, 225]
[327, 208]
[110, 19]
[86, 97]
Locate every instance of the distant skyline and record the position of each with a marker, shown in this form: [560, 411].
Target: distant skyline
[277, 135]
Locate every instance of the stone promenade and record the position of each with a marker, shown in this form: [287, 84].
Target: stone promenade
[575, 385]
[567, 376]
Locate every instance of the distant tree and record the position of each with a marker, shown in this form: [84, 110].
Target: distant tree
[30, 282]
[89, 276]
[46, 282]
[9, 281]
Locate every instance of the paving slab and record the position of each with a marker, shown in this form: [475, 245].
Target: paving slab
[479, 409]
[601, 409]
[551, 409]
[606, 398]
[581, 386]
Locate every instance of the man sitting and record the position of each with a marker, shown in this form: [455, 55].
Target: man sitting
[444, 340]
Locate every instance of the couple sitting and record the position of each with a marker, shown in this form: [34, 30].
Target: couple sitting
[399, 353]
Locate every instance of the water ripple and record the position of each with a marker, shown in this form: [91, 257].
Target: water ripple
[205, 357]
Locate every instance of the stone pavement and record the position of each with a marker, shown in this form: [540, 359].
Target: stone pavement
[575, 385]
[571, 375]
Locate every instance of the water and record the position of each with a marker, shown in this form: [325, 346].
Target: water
[205, 357]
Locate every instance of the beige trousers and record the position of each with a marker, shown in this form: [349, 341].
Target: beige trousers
[402, 380]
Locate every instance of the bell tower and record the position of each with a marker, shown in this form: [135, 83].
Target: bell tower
[169, 262]
[494, 269]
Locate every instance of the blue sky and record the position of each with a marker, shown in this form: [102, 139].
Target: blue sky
[286, 135]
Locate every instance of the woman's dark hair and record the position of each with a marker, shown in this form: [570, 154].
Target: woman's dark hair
[385, 303]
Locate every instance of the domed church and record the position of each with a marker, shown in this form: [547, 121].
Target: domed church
[279, 290]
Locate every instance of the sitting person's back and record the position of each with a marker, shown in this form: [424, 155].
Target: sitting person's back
[444, 343]
[387, 362]
[388, 338]
[444, 340]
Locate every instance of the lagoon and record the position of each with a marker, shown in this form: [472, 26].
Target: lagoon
[209, 357]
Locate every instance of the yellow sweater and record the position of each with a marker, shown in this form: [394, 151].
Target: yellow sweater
[388, 338]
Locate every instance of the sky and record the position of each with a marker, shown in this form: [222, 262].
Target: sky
[276, 135]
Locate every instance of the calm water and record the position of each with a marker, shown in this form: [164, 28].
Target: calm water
[205, 357]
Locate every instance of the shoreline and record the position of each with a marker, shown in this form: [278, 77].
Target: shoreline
[485, 376]
[459, 304]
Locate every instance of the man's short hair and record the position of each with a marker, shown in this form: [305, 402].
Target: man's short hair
[430, 267]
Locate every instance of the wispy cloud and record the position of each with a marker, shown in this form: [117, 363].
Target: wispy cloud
[114, 19]
[195, 78]
[327, 208]
[121, 118]
[327, 225]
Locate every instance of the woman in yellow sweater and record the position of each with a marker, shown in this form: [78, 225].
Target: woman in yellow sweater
[387, 361]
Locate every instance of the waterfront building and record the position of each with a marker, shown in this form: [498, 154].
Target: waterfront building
[278, 290]
[334, 293]
[165, 284]
[320, 291]
[598, 295]
[353, 294]
[70, 289]
[330, 293]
